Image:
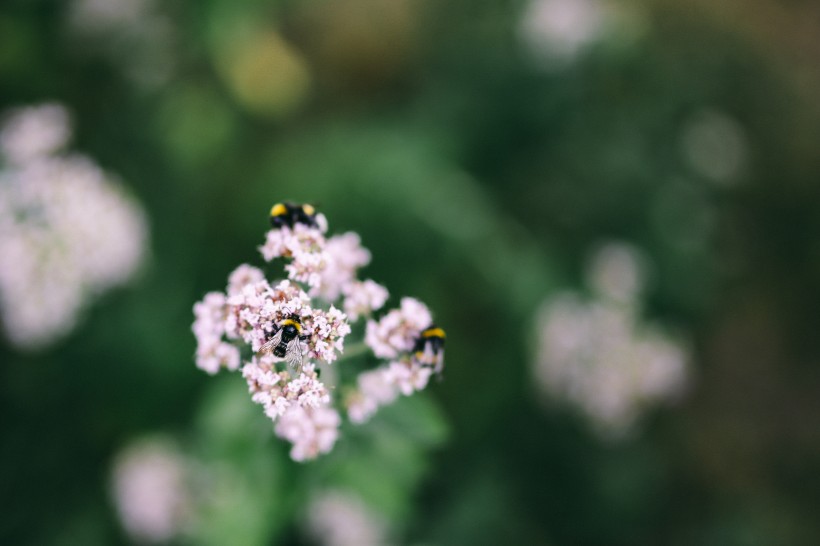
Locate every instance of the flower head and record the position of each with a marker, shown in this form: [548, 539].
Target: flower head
[68, 230]
[338, 518]
[34, 132]
[272, 322]
[149, 490]
[598, 356]
[398, 330]
[363, 297]
[311, 430]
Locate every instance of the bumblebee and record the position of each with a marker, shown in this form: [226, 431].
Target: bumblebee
[289, 214]
[429, 348]
[286, 341]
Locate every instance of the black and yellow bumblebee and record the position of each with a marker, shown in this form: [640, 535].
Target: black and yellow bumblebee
[286, 341]
[429, 348]
[290, 214]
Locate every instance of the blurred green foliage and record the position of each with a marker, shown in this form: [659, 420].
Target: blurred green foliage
[480, 180]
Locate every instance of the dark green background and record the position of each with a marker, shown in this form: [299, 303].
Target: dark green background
[480, 182]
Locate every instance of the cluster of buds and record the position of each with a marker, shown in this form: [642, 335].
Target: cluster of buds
[282, 335]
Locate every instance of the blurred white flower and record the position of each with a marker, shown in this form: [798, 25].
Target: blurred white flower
[558, 30]
[715, 146]
[336, 518]
[99, 15]
[374, 388]
[398, 330]
[68, 230]
[243, 276]
[137, 36]
[408, 376]
[251, 313]
[311, 430]
[382, 385]
[32, 132]
[363, 297]
[344, 255]
[599, 357]
[616, 271]
[150, 490]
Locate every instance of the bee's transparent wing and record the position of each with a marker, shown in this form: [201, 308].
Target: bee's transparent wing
[294, 353]
[428, 356]
[439, 361]
[272, 343]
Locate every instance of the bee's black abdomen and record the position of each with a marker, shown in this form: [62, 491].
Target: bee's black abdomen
[280, 350]
[435, 343]
[301, 217]
[278, 221]
[289, 214]
[281, 215]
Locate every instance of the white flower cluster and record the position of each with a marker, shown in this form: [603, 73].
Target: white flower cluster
[150, 491]
[327, 266]
[254, 311]
[322, 272]
[68, 231]
[599, 356]
[337, 518]
[393, 337]
[298, 403]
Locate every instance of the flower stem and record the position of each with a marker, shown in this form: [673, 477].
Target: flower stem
[354, 350]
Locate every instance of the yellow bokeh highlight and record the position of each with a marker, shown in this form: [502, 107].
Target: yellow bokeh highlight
[265, 74]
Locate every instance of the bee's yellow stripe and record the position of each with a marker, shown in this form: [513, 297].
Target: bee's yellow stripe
[278, 210]
[309, 210]
[433, 332]
[291, 322]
